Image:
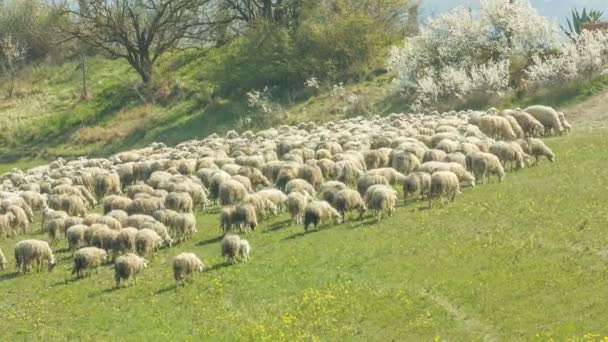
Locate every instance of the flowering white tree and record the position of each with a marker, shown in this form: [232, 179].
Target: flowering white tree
[12, 54]
[461, 52]
[584, 55]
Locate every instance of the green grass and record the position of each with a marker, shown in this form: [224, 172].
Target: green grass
[521, 260]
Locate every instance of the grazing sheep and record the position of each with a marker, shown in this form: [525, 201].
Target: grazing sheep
[107, 184]
[184, 225]
[179, 201]
[245, 217]
[2, 261]
[103, 237]
[185, 265]
[417, 182]
[230, 247]
[300, 185]
[375, 159]
[37, 251]
[263, 206]
[381, 199]
[537, 149]
[161, 230]
[244, 250]
[7, 222]
[530, 126]
[312, 174]
[275, 196]
[548, 117]
[392, 176]
[147, 241]
[109, 221]
[89, 219]
[348, 200]
[145, 205]
[227, 218]
[405, 162]
[484, 164]
[444, 184]
[128, 266]
[120, 215]
[496, 127]
[34, 200]
[231, 192]
[565, 124]
[125, 240]
[296, 203]
[509, 152]
[114, 202]
[21, 221]
[318, 212]
[329, 191]
[367, 180]
[75, 236]
[88, 258]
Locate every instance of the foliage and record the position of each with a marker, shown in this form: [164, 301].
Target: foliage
[575, 27]
[12, 54]
[460, 53]
[494, 264]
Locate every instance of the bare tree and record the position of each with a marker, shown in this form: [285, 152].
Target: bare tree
[248, 11]
[12, 54]
[140, 31]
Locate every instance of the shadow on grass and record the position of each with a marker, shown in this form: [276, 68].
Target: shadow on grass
[278, 226]
[166, 289]
[217, 267]
[209, 241]
[301, 234]
[9, 276]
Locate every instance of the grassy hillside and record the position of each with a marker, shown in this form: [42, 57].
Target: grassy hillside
[521, 260]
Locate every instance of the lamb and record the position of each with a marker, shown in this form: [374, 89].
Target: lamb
[230, 247]
[565, 124]
[300, 185]
[127, 266]
[244, 250]
[37, 251]
[548, 117]
[147, 241]
[496, 127]
[75, 236]
[231, 192]
[444, 183]
[2, 261]
[367, 180]
[318, 212]
[296, 203]
[381, 199]
[184, 266]
[179, 201]
[484, 164]
[418, 182]
[88, 258]
[348, 200]
[537, 149]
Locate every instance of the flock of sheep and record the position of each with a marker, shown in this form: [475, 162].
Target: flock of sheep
[317, 173]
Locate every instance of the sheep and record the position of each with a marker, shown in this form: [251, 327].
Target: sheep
[312, 174]
[367, 180]
[91, 218]
[329, 191]
[216, 180]
[417, 182]
[405, 162]
[114, 202]
[537, 149]
[375, 159]
[73, 205]
[88, 258]
[75, 236]
[347, 171]
[179, 201]
[145, 205]
[327, 167]
[244, 250]
[245, 217]
[275, 196]
[391, 175]
[227, 218]
[161, 230]
[296, 203]
[447, 146]
[139, 188]
[120, 215]
[496, 127]
[37, 251]
[2, 261]
[444, 183]
[263, 206]
[318, 212]
[103, 237]
[300, 185]
[465, 177]
[7, 222]
[530, 126]
[509, 152]
[109, 221]
[107, 184]
[231, 192]
[255, 176]
[21, 221]
[381, 199]
[147, 241]
[230, 247]
[184, 266]
[565, 124]
[34, 200]
[517, 129]
[125, 240]
[548, 117]
[184, 225]
[348, 200]
[484, 164]
[127, 266]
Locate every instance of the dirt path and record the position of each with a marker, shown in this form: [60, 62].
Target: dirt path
[592, 112]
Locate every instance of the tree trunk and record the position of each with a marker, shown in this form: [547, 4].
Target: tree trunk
[83, 74]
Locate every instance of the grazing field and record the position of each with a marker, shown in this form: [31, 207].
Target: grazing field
[521, 260]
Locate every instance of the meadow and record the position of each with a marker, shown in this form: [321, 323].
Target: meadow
[520, 260]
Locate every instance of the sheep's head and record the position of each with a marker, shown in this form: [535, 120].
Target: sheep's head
[52, 263]
[201, 267]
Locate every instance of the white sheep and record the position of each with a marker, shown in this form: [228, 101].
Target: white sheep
[37, 251]
[348, 200]
[444, 184]
[88, 258]
[318, 212]
[548, 117]
[128, 266]
[381, 199]
[185, 265]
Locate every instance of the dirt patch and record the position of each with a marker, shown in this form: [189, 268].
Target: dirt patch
[592, 112]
